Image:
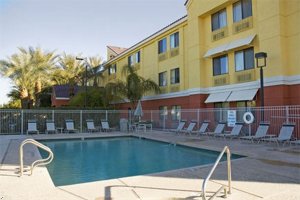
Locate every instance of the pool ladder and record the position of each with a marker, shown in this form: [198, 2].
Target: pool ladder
[36, 163]
[224, 187]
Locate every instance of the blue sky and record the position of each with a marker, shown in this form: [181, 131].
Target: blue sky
[80, 26]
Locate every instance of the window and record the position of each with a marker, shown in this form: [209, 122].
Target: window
[134, 58]
[174, 40]
[244, 59]
[241, 10]
[221, 111]
[176, 112]
[130, 60]
[112, 69]
[162, 46]
[138, 57]
[162, 79]
[220, 65]
[219, 20]
[163, 112]
[175, 77]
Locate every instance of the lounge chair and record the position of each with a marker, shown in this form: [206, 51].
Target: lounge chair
[189, 129]
[105, 126]
[203, 129]
[218, 130]
[32, 127]
[261, 132]
[179, 128]
[235, 132]
[50, 127]
[90, 126]
[285, 134]
[295, 142]
[70, 126]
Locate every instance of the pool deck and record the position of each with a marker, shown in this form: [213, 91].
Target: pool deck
[268, 172]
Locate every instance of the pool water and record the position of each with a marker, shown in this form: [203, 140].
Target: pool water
[78, 161]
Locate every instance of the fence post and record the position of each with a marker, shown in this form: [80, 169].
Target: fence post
[53, 119]
[287, 114]
[151, 116]
[80, 121]
[106, 118]
[198, 117]
[164, 122]
[22, 124]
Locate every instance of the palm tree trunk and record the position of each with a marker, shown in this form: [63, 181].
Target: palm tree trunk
[24, 97]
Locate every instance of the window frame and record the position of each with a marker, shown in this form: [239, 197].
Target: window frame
[213, 28]
[176, 113]
[164, 75]
[163, 112]
[175, 80]
[213, 65]
[243, 51]
[174, 39]
[162, 46]
[243, 8]
[110, 71]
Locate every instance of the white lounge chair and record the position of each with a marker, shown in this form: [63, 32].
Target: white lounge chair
[261, 132]
[105, 126]
[50, 127]
[32, 127]
[70, 126]
[285, 134]
[90, 125]
[179, 128]
[189, 129]
[218, 130]
[203, 129]
[235, 132]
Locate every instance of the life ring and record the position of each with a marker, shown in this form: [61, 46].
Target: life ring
[248, 118]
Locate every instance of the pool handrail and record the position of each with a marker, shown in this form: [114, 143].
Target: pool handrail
[226, 149]
[36, 163]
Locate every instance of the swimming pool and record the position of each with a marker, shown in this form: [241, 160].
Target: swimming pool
[78, 161]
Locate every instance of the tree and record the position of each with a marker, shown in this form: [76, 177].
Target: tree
[29, 71]
[135, 86]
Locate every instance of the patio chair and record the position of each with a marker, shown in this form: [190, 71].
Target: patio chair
[203, 129]
[261, 132]
[50, 127]
[285, 134]
[105, 126]
[179, 128]
[234, 133]
[32, 126]
[90, 126]
[70, 126]
[189, 129]
[218, 130]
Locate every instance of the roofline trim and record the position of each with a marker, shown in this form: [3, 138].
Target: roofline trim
[173, 24]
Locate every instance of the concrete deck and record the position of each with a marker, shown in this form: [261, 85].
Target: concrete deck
[268, 172]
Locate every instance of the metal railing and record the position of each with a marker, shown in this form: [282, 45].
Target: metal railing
[16, 121]
[36, 163]
[226, 149]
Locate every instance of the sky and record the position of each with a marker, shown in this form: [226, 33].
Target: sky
[83, 27]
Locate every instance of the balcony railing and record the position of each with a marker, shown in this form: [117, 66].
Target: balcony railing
[221, 80]
[219, 34]
[242, 25]
[245, 76]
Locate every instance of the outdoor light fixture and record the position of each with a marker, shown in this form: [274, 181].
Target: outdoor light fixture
[261, 62]
[85, 81]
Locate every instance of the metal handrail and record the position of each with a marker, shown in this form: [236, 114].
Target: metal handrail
[226, 148]
[36, 163]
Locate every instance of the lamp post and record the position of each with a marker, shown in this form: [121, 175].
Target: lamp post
[261, 62]
[85, 81]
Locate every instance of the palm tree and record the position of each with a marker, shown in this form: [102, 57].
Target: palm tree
[19, 69]
[95, 66]
[135, 86]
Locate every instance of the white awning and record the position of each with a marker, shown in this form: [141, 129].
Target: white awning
[229, 46]
[242, 95]
[217, 97]
[240, 42]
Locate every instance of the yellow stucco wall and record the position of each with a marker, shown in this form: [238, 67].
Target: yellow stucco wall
[275, 24]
